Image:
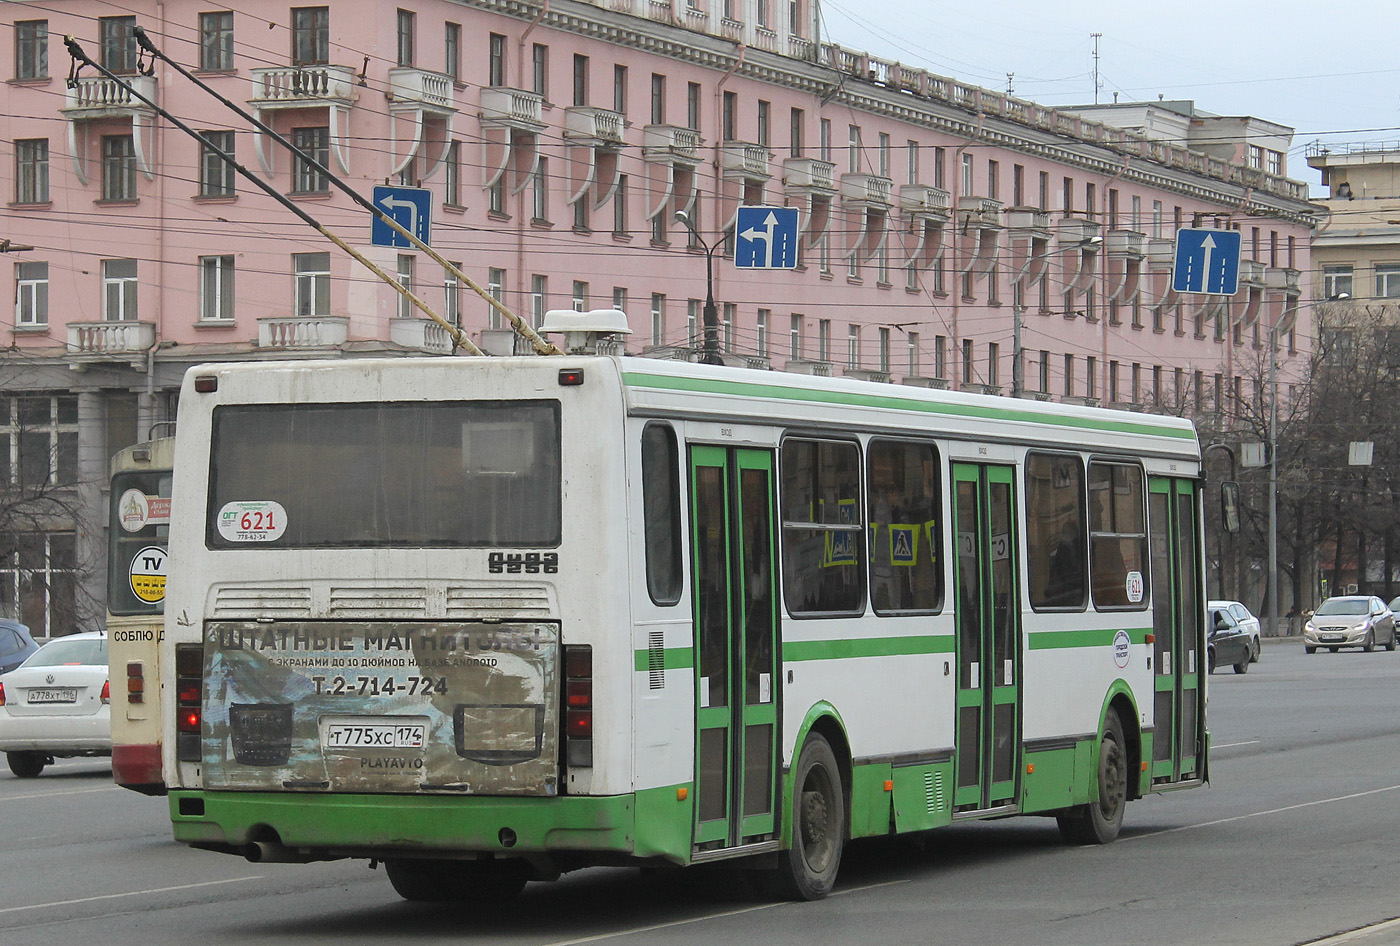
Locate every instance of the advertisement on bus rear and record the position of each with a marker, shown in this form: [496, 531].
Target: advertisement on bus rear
[385, 707]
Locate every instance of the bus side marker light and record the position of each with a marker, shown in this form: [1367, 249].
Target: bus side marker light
[1030, 768]
[570, 377]
[1150, 638]
[889, 785]
[206, 384]
[682, 794]
[1144, 766]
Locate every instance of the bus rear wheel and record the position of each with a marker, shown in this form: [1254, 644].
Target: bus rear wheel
[441, 881]
[807, 869]
[1100, 821]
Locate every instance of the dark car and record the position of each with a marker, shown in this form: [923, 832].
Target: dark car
[1229, 642]
[15, 644]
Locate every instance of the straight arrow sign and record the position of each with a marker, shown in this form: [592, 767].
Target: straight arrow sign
[1207, 261]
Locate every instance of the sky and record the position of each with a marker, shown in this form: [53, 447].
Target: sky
[1329, 71]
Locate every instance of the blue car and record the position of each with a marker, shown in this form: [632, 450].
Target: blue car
[15, 644]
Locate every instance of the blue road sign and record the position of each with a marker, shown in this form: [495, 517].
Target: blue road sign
[766, 238]
[411, 208]
[1207, 261]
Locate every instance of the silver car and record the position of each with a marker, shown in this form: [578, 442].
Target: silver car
[1350, 621]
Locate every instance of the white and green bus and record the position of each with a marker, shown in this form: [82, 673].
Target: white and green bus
[487, 620]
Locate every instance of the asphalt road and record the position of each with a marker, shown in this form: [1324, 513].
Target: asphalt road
[1295, 841]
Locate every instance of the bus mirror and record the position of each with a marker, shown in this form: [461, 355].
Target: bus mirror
[1230, 506]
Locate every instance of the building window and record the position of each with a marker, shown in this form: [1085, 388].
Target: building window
[452, 175]
[967, 182]
[216, 288]
[496, 289]
[406, 33]
[311, 35]
[994, 180]
[692, 322]
[119, 290]
[496, 70]
[580, 296]
[796, 132]
[312, 284]
[795, 25]
[620, 89]
[215, 173]
[853, 148]
[912, 345]
[32, 171]
[619, 202]
[452, 297]
[1336, 280]
[539, 208]
[216, 41]
[912, 157]
[1387, 281]
[853, 346]
[968, 352]
[405, 279]
[118, 167]
[580, 79]
[539, 299]
[883, 347]
[496, 197]
[619, 298]
[692, 106]
[452, 50]
[31, 49]
[117, 38]
[658, 99]
[314, 143]
[764, 316]
[31, 295]
[824, 139]
[940, 170]
[539, 70]
[764, 121]
[763, 14]
[795, 337]
[658, 318]
[39, 440]
[1254, 156]
[1273, 163]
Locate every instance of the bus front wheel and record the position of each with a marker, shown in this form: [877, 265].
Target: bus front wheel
[1100, 821]
[807, 869]
[440, 881]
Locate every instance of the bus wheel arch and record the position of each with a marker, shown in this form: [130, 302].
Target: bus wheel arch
[817, 812]
[1116, 764]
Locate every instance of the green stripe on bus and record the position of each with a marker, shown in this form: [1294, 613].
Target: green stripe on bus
[1051, 640]
[672, 658]
[888, 402]
[866, 647]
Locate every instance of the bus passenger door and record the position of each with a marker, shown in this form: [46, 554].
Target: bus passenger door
[736, 627]
[1176, 617]
[989, 651]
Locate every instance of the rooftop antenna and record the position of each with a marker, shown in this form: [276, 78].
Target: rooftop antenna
[1097, 85]
[1010, 83]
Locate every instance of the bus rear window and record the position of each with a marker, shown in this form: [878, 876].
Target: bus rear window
[442, 474]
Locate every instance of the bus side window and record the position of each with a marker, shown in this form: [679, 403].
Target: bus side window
[905, 533]
[823, 535]
[1056, 567]
[661, 512]
[1118, 536]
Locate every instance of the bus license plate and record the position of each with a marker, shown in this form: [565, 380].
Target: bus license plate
[61, 695]
[375, 734]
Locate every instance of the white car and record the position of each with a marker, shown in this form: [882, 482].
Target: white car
[1248, 623]
[55, 704]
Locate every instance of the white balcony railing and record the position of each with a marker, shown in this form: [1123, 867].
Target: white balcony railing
[745, 161]
[1027, 218]
[325, 331]
[920, 198]
[512, 108]
[100, 96]
[810, 173]
[110, 338]
[866, 189]
[430, 90]
[303, 86]
[598, 125]
[1126, 243]
[667, 142]
[423, 334]
[1251, 272]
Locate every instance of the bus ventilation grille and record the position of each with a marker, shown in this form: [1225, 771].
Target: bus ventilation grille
[656, 660]
[933, 791]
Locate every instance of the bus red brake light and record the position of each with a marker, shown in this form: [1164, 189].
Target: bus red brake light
[578, 705]
[135, 683]
[189, 685]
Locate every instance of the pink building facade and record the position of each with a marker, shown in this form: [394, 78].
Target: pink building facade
[951, 236]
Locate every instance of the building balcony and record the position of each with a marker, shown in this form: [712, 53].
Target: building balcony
[515, 109]
[1127, 243]
[668, 143]
[868, 190]
[418, 88]
[743, 161]
[422, 334]
[1079, 230]
[925, 201]
[1161, 253]
[1029, 220]
[820, 369]
[979, 212]
[991, 389]
[1251, 273]
[593, 126]
[322, 331]
[868, 374]
[98, 98]
[1281, 279]
[809, 175]
[923, 381]
[302, 87]
[106, 341]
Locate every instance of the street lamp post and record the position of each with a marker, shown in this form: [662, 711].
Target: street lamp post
[710, 352]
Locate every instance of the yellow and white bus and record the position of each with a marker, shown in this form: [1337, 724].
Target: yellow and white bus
[488, 620]
[137, 532]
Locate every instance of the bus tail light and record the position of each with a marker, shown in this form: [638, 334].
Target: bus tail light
[578, 705]
[189, 684]
[135, 683]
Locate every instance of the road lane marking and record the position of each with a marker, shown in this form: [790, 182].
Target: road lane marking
[1352, 936]
[75, 791]
[723, 914]
[133, 893]
[1231, 745]
[1260, 814]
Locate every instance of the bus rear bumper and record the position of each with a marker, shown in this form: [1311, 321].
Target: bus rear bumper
[315, 827]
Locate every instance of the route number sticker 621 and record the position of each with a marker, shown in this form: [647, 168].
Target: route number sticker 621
[262, 521]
